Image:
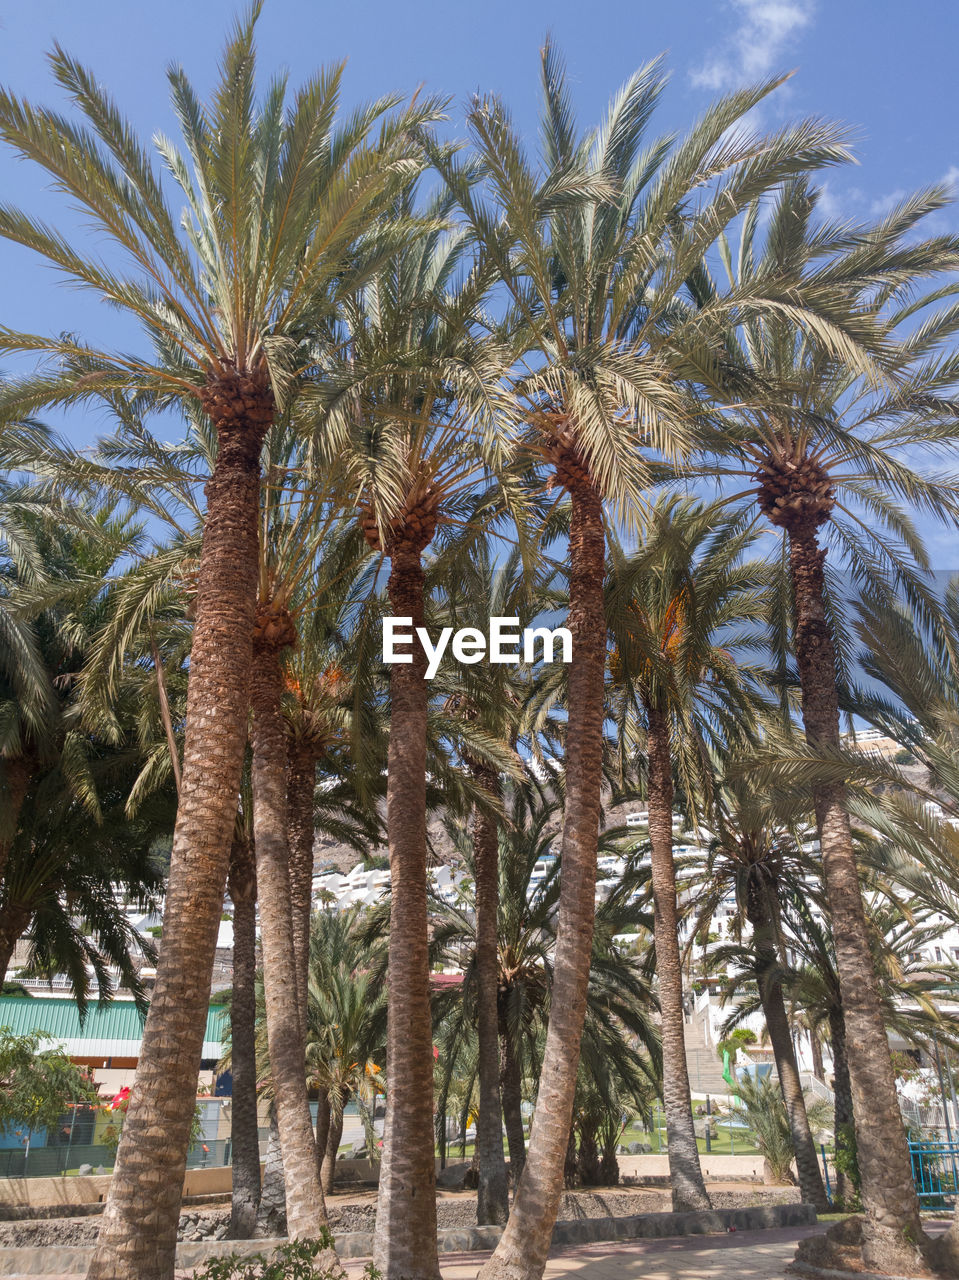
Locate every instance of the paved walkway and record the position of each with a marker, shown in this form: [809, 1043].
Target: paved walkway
[738, 1255]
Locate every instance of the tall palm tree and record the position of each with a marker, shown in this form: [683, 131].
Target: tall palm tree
[411, 404]
[755, 850]
[296, 526]
[918, 705]
[277, 199]
[595, 250]
[490, 697]
[825, 460]
[675, 685]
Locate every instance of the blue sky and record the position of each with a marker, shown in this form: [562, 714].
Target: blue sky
[885, 68]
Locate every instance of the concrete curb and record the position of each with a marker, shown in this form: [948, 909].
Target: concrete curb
[359, 1244]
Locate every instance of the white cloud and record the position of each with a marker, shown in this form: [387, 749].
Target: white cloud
[756, 47]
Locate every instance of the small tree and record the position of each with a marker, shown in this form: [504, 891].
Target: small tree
[766, 1116]
[37, 1085]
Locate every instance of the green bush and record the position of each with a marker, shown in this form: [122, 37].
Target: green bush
[297, 1260]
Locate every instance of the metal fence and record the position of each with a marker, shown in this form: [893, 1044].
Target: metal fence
[935, 1171]
[71, 1145]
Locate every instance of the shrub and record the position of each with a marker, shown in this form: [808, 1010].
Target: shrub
[297, 1260]
[766, 1116]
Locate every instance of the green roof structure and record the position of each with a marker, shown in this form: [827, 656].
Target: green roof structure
[108, 1030]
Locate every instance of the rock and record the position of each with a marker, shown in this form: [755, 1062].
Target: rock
[84, 1171]
[453, 1177]
[197, 1235]
[221, 1232]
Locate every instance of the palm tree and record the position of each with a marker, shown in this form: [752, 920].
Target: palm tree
[619, 1000]
[69, 776]
[244, 1124]
[765, 1113]
[43, 545]
[411, 403]
[295, 526]
[65, 868]
[808, 973]
[675, 685]
[277, 200]
[489, 697]
[595, 256]
[754, 852]
[346, 1024]
[825, 458]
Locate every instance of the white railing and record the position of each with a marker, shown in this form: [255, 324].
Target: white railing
[812, 1084]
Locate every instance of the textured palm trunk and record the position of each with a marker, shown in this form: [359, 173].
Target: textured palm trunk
[301, 785]
[405, 1241]
[244, 1133]
[331, 1145]
[15, 777]
[892, 1226]
[818, 1070]
[305, 1208]
[271, 1214]
[685, 1173]
[14, 922]
[807, 1162]
[842, 1115]
[492, 1202]
[323, 1116]
[511, 1090]
[138, 1228]
[571, 1176]
[523, 1248]
[777, 1024]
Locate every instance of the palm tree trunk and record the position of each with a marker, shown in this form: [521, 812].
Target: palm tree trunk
[492, 1202]
[15, 777]
[807, 1162]
[511, 1089]
[301, 784]
[523, 1248]
[14, 922]
[777, 1024]
[271, 1214]
[892, 1225]
[843, 1117]
[405, 1241]
[332, 1144]
[244, 1143]
[323, 1117]
[305, 1208]
[685, 1172]
[138, 1228]
[818, 1070]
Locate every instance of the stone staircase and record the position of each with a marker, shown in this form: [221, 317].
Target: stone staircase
[702, 1061]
